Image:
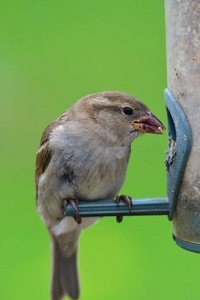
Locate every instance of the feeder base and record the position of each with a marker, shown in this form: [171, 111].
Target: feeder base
[187, 246]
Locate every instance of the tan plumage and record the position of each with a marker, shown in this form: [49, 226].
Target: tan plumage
[84, 155]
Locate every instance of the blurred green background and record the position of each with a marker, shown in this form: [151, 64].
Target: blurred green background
[51, 54]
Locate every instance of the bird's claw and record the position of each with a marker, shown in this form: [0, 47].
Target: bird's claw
[128, 201]
[74, 204]
[119, 219]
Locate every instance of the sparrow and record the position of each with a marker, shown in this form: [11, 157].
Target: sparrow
[83, 155]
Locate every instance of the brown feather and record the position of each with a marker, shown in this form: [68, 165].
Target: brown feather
[44, 154]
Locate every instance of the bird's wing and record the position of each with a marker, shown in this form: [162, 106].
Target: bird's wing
[43, 156]
[44, 153]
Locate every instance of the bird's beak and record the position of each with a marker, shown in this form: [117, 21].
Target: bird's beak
[149, 124]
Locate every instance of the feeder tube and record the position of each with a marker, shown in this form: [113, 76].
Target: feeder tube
[183, 79]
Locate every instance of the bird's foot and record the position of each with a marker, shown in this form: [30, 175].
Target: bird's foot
[119, 219]
[128, 201]
[74, 203]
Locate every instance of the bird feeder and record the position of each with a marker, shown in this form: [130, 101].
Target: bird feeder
[183, 78]
[182, 204]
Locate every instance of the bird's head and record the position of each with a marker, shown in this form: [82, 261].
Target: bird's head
[121, 116]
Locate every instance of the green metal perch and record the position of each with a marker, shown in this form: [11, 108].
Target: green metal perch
[140, 207]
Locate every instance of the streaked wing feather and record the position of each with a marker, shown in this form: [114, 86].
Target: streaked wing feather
[45, 154]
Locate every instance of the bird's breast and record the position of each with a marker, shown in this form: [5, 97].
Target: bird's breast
[102, 173]
[88, 166]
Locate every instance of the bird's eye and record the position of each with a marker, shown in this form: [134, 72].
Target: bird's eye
[127, 111]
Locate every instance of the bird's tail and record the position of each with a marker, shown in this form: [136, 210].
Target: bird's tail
[64, 275]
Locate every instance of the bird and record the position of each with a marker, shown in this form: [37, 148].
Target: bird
[83, 155]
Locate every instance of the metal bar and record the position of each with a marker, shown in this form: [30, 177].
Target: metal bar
[103, 208]
[180, 141]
